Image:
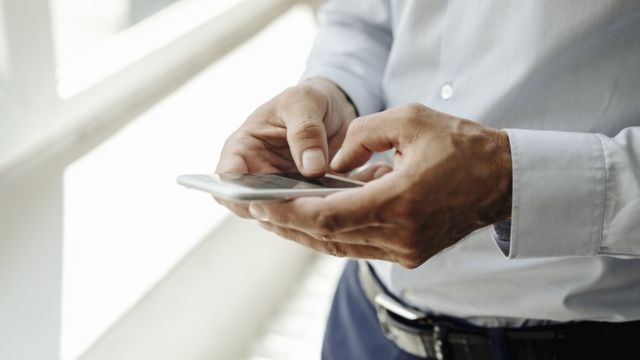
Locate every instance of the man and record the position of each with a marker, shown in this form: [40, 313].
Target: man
[558, 191]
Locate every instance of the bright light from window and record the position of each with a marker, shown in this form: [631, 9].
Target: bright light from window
[94, 39]
[80, 25]
[126, 221]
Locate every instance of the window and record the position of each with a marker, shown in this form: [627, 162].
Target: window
[127, 222]
[108, 120]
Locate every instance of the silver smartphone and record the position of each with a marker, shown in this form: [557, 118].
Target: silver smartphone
[251, 187]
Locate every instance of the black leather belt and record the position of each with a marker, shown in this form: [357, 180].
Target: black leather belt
[429, 337]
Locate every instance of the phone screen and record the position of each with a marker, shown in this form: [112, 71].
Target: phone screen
[285, 181]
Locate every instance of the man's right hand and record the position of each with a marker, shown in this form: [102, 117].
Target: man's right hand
[299, 130]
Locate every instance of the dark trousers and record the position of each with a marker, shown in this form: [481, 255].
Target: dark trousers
[353, 333]
[352, 329]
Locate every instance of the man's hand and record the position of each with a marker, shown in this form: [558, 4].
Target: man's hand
[451, 176]
[297, 131]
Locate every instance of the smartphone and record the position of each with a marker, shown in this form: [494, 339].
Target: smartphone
[251, 187]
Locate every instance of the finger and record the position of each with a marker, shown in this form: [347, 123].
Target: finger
[328, 247]
[231, 163]
[231, 160]
[342, 211]
[245, 153]
[378, 236]
[240, 209]
[302, 112]
[366, 135]
[372, 172]
[234, 160]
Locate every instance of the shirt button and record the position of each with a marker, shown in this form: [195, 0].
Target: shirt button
[446, 91]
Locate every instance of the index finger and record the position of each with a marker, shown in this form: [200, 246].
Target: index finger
[343, 211]
[365, 136]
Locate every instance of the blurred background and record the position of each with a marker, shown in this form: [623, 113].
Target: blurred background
[102, 256]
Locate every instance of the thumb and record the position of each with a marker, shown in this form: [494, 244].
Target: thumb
[308, 143]
[366, 135]
[303, 118]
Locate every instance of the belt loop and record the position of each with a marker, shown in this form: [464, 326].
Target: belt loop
[498, 342]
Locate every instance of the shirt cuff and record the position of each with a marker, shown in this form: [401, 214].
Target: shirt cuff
[365, 101]
[558, 194]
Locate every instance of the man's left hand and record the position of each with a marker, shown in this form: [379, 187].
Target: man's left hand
[450, 177]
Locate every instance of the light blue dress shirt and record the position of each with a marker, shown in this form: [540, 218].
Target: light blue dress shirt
[563, 78]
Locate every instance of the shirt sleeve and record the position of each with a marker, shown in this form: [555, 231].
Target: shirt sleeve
[574, 194]
[352, 48]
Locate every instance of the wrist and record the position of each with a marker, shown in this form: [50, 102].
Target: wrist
[505, 174]
[340, 102]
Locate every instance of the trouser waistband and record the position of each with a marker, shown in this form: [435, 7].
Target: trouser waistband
[433, 337]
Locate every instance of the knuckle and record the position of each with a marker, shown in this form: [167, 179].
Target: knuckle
[286, 234]
[235, 209]
[411, 261]
[232, 139]
[289, 92]
[405, 240]
[408, 243]
[327, 222]
[305, 90]
[403, 210]
[262, 113]
[334, 249]
[356, 126]
[414, 111]
[410, 265]
[278, 217]
[365, 240]
[415, 224]
[325, 236]
[307, 129]
[238, 142]
[356, 123]
[302, 92]
[405, 250]
[413, 115]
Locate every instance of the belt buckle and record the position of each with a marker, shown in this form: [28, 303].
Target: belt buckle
[392, 305]
[385, 303]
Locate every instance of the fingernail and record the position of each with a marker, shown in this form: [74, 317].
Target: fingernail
[336, 157]
[313, 160]
[257, 212]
